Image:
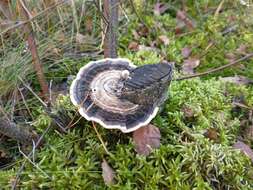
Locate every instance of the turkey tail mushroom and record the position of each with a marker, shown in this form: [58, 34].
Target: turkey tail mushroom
[118, 95]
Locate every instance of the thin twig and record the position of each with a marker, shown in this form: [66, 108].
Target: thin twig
[27, 108]
[216, 69]
[100, 138]
[79, 106]
[72, 125]
[242, 106]
[14, 99]
[29, 156]
[34, 164]
[29, 88]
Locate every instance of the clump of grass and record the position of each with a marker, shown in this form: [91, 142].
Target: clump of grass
[12, 67]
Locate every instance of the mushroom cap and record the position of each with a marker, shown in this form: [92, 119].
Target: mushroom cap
[94, 92]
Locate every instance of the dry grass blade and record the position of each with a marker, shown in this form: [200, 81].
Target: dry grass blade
[21, 24]
[100, 138]
[5, 9]
[37, 144]
[219, 8]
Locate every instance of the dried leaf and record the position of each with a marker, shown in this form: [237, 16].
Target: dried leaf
[164, 39]
[189, 65]
[212, 134]
[108, 173]
[80, 39]
[241, 80]
[142, 30]
[244, 148]
[89, 24]
[148, 48]
[134, 46]
[188, 112]
[2, 154]
[136, 35]
[146, 138]
[85, 42]
[160, 8]
[186, 52]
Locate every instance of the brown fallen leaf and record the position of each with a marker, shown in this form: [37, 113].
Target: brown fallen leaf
[133, 46]
[146, 138]
[188, 111]
[2, 154]
[244, 148]
[241, 80]
[164, 39]
[89, 24]
[212, 134]
[148, 48]
[160, 8]
[142, 30]
[186, 52]
[135, 35]
[108, 173]
[80, 38]
[189, 65]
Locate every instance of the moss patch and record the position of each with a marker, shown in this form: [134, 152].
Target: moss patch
[185, 160]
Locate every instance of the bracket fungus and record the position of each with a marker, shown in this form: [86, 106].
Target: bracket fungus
[118, 95]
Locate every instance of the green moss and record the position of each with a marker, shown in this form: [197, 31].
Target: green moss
[185, 160]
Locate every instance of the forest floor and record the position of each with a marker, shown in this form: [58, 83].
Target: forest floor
[207, 122]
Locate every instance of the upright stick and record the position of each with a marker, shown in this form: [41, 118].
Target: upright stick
[34, 52]
[110, 40]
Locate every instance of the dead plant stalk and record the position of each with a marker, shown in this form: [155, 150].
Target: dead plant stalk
[34, 51]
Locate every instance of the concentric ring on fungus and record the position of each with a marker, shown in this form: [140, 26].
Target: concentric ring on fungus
[94, 92]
